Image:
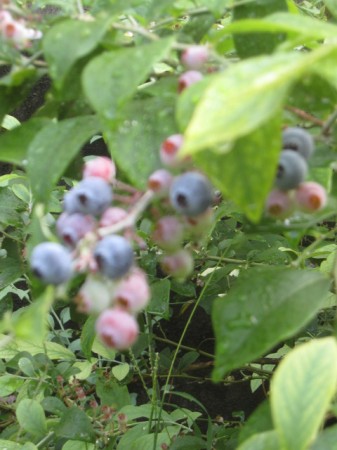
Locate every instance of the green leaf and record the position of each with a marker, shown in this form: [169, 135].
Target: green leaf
[70, 40]
[243, 97]
[10, 204]
[257, 43]
[188, 443]
[255, 163]
[120, 78]
[332, 5]
[263, 441]
[78, 445]
[14, 144]
[265, 306]
[52, 150]
[120, 371]
[135, 144]
[10, 270]
[10, 122]
[301, 391]
[146, 442]
[88, 336]
[326, 440]
[9, 445]
[75, 424]
[112, 394]
[51, 349]
[160, 298]
[31, 323]
[31, 417]
[102, 350]
[145, 410]
[294, 24]
[29, 446]
[26, 366]
[9, 384]
[53, 405]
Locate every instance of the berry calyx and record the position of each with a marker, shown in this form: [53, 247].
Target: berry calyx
[279, 203]
[133, 292]
[160, 181]
[310, 196]
[117, 328]
[169, 149]
[114, 256]
[188, 78]
[191, 194]
[73, 227]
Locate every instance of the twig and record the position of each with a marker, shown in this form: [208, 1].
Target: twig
[328, 123]
[131, 218]
[305, 116]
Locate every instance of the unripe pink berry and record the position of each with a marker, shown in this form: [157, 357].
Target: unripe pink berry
[168, 233]
[95, 295]
[195, 56]
[133, 292]
[310, 196]
[179, 265]
[73, 227]
[117, 328]
[111, 216]
[188, 78]
[101, 167]
[169, 150]
[279, 203]
[160, 181]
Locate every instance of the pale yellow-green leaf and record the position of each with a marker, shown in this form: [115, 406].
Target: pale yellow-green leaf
[301, 390]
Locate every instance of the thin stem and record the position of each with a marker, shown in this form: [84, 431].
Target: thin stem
[135, 363]
[136, 29]
[45, 440]
[185, 347]
[308, 250]
[305, 116]
[326, 127]
[131, 218]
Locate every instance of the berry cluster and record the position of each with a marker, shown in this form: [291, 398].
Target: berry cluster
[16, 31]
[98, 238]
[115, 288]
[291, 191]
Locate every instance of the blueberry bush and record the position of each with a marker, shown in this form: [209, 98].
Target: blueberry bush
[168, 197]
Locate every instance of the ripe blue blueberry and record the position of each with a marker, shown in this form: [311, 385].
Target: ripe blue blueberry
[191, 193]
[291, 171]
[92, 195]
[114, 256]
[51, 263]
[298, 140]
